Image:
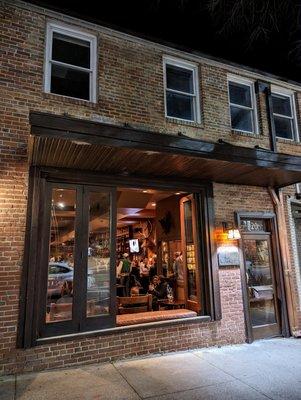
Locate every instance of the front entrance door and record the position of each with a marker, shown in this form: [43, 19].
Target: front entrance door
[261, 285]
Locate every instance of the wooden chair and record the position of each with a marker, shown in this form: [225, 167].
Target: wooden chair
[134, 304]
[61, 311]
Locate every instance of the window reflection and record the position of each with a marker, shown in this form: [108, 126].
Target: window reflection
[98, 281]
[190, 252]
[260, 283]
[61, 255]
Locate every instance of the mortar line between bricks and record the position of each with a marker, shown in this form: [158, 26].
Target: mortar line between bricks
[236, 378]
[127, 381]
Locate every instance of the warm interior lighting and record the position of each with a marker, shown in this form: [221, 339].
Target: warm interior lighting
[233, 234]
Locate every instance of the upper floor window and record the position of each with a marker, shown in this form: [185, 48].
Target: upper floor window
[284, 114]
[70, 68]
[181, 90]
[242, 105]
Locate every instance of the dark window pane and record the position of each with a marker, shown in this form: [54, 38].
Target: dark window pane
[281, 105]
[240, 94]
[180, 106]
[283, 127]
[241, 119]
[70, 82]
[179, 79]
[71, 50]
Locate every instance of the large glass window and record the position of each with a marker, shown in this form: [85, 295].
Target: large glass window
[103, 254]
[283, 113]
[242, 106]
[70, 63]
[181, 90]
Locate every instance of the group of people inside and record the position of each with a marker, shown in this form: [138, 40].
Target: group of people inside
[139, 276]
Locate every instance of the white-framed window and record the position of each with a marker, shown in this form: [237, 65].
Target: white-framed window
[70, 62]
[181, 85]
[284, 113]
[242, 103]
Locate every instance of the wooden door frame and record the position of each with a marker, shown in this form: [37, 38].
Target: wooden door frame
[272, 228]
[195, 305]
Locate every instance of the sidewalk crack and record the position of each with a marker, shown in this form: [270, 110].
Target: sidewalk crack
[124, 377]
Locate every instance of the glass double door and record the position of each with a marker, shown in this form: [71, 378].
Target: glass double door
[76, 260]
[261, 286]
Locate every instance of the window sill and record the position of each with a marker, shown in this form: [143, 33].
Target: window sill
[120, 329]
[71, 100]
[288, 141]
[247, 134]
[184, 122]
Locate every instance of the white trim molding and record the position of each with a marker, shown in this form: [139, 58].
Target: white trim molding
[253, 108]
[284, 92]
[73, 32]
[168, 60]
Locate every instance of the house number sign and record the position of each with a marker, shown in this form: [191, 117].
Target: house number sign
[253, 225]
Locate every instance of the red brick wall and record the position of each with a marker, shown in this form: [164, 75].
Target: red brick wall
[130, 78]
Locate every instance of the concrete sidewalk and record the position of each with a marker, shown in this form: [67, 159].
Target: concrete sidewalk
[267, 369]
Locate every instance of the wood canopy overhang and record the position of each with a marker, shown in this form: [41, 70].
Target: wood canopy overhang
[78, 144]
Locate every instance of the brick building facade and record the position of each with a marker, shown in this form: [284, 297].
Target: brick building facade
[130, 93]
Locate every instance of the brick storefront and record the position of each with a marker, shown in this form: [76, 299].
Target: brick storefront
[130, 91]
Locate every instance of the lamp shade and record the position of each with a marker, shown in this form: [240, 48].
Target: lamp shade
[234, 234]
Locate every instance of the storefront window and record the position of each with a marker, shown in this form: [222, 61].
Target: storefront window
[190, 252]
[98, 277]
[61, 256]
[104, 254]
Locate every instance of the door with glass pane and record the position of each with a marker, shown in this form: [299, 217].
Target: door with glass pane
[190, 246]
[76, 263]
[261, 285]
[98, 258]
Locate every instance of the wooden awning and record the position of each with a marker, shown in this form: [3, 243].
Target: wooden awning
[79, 144]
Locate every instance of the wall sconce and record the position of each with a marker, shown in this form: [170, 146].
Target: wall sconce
[232, 232]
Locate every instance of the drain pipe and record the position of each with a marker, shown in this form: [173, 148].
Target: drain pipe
[278, 203]
[265, 87]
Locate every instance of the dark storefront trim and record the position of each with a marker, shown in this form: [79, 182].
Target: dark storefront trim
[185, 158]
[29, 306]
[272, 228]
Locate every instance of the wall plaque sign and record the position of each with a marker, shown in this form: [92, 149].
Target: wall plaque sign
[228, 256]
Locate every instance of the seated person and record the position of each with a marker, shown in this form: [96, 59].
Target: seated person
[158, 289]
[134, 285]
[66, 293]
[144, 275]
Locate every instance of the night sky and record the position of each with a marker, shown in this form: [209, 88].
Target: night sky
[265, 34]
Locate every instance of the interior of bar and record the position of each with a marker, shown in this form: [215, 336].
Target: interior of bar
[154, 236]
